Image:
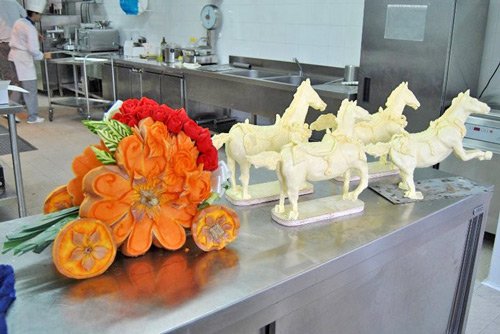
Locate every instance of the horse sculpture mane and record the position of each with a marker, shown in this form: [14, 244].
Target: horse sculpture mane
[287, 115]
[392, 97]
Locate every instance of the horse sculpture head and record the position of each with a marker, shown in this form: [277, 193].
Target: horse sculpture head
[466, 104]
[404, 96]
[311, 95]
[304, 98]
[348, 114]
[351, 109]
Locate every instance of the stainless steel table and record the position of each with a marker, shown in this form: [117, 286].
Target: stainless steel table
[393, 269]
[11, 110]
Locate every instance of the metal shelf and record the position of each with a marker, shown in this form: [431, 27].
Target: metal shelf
[71, 87]
[81, 102]
[87, 102]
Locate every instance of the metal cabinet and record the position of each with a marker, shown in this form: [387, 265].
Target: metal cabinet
[150, 83]
[122, 83]
[134, 83]
[172, 91]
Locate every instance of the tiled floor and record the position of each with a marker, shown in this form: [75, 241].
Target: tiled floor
[58, 142]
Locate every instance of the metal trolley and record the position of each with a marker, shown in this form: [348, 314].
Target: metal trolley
[86, 103]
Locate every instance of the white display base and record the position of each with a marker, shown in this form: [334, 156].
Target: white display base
[319, 209]
[262, 193]
[375, 169]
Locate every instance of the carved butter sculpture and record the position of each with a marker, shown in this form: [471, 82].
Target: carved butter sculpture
[248, 139]
[431, 146]
[383, 124]
[335, 155]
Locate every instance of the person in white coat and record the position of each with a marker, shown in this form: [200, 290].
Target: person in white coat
[24, 50]
[10, 12]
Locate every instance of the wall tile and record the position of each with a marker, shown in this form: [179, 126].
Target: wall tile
[320, 31]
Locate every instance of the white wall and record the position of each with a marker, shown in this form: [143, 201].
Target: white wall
[324, 32]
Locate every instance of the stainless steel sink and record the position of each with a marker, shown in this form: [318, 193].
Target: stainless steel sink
[296, 80]
[256, 74]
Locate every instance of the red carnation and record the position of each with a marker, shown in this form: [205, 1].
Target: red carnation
[209, 159]
[129, 119]
[159, 115]
[182, 115]
[129, 106]
[192, 129]
[176, 120]
[204, 141]
[147, 102]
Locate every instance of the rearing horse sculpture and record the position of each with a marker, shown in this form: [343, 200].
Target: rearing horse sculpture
[431, 146]
[246, 139]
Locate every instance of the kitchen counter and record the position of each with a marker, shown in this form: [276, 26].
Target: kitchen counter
[392, 269]
[334, 90]
[150, 64]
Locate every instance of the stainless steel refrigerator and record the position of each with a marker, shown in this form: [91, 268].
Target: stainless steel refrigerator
[434, 45]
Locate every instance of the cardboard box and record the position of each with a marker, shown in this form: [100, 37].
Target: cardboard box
[5, 87]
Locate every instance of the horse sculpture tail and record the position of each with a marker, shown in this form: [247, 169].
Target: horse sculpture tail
[378, 149]
[268, 159]
[220, 139]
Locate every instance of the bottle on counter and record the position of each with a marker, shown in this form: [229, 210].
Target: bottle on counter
[193, 44]
[163, 47]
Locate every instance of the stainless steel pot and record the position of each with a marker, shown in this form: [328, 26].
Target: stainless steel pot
[169, 54]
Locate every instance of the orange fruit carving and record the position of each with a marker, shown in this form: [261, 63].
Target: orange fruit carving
[214, 227]
[84, 248]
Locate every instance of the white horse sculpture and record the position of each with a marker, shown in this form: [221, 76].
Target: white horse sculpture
[433, 145]
[335, 155]
[248, 139]
[381, 125]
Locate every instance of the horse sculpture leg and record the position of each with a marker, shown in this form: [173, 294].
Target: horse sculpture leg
[407, 180]
[245, 178]
[347, 181]
[231, 164]
[280, 207]
[363, 182]
[466, 155]
[293, 197]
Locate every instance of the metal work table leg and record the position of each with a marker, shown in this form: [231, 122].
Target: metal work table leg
[18, 177]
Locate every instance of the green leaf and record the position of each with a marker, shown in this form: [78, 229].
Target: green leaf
[110, 131]
[35, 235]
[93, 125]
[121, 130]
[104, 156]
[44, 239]
[109, 138]
[49, 219]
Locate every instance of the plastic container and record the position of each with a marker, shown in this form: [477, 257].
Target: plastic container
[128, 48]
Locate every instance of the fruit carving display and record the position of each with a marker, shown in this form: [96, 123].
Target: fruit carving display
[143, 185]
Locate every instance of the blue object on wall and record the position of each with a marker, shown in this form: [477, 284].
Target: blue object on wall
[133, 7]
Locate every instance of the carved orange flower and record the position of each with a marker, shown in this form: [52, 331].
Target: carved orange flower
[81, 165]
[150, 195]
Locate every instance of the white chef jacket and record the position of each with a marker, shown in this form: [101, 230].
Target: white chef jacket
[10, 11]
[24, 49]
